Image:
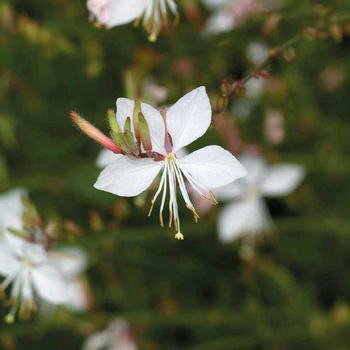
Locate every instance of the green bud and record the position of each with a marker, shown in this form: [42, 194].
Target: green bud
[137, 110]
[127, 126]
[130, 141]
[113, 121]
[118, 138]
[144, 133]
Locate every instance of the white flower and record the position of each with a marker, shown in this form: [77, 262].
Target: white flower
[205, 169]
[116, 337]
[25, 265]
[228, 14]
[113, 13]
[72, 262]
[248, 214]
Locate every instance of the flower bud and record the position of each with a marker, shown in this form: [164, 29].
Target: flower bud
[221, 104]
[127, 126]
[225, 88]
[144, 133]
[290, 54]
[137, 110]
[113, 121]
[94, 133]
[130, 141]
[274, 51]
[310, 33]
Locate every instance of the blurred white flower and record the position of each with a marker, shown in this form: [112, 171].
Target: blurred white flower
[229, 14]
[205, 169]
[248, 215]
[25, 265]
[113, 13]
[116, 337]
[72, 263]
[257, 53]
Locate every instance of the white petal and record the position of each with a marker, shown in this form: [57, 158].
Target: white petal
[189, 118]
[71, 261]
[97, 341]
[128, 178]
[125, 108]
[125, 11]
[77, 295]
[8, 263]
[36, 253]
[106, 157]
[233, 190]
[256, 168]
[282, 180]
[49, 284]
[246, 217]
[213, 167]
[11, 210]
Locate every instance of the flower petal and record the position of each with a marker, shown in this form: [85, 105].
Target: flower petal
[213, 167]
[11, 210]
[78, 298]
[282, 180]
[128, 178]
[256, 168]
[245, 217]
[106, 157]
[125, 108]
[125, 11]
[189, 118]
[9, 265]
[70, 261]
[49, 284]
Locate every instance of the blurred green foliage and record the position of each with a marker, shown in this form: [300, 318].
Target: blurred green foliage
[294, 294]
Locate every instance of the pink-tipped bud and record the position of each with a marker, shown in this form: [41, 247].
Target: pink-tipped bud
[94, 133]
[238, 89]
[225, 88]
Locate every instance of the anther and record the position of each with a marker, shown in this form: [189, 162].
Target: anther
[161, 219]
[151, 209]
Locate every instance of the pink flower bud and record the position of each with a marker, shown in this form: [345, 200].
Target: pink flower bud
[94, 133]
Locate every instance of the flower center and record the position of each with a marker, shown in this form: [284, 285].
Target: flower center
[155, 16]
[173, 176]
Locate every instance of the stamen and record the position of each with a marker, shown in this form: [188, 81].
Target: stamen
[170, 218]
[151, 209]
[213, 197]
[161, 219]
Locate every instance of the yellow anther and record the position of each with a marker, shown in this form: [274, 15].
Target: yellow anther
[161, 219]
[170, 218]
[209, 200]
[152, 205]
[213, 197]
